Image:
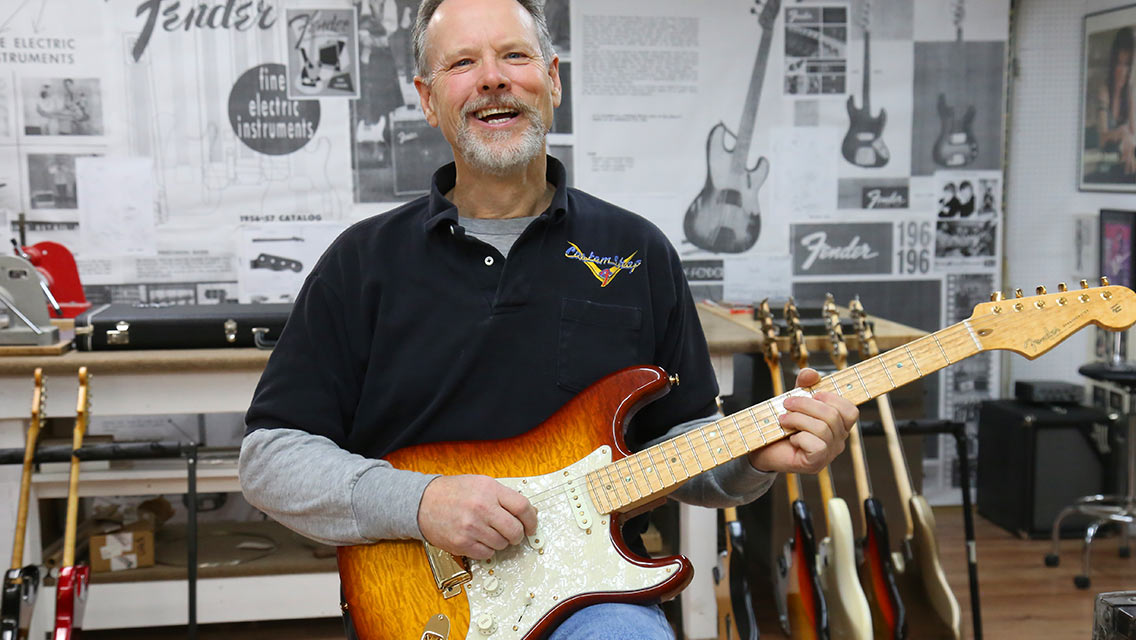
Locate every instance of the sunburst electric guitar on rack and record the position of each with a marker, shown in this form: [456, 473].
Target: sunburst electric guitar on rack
[863, 144]
[848, 609]
[800, 600]
[74, 578]
[877, 575]
[725, 217]
[21, 583]
[931, 606]
[956, 145]
[575, 468]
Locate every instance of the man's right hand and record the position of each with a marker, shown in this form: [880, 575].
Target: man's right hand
[473, 516]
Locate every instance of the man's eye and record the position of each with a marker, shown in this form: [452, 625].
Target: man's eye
[515, 55]
[464, 62]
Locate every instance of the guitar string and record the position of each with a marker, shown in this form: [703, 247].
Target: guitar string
[947, 339]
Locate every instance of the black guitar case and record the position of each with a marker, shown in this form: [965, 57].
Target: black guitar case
[119, 327]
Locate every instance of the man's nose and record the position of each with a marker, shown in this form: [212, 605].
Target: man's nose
[493, 78]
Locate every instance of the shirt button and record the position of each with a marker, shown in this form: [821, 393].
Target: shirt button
[489, 261]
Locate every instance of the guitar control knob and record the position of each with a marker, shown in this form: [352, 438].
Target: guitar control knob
[486, 624]
[491, 585]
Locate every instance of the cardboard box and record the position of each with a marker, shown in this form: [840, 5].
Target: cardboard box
[129, 546]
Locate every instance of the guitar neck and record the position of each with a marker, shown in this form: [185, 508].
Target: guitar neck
[753, 97]
[867, 73]
[649, 475]
[898, 460]
[72, 525]
[792, 480]
[38, 400]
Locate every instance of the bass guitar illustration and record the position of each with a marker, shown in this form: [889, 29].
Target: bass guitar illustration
[577, 470]
[21, 584]
[956, 145]
[800, 600]
[726, 216]
[877, 575]
[863, 145]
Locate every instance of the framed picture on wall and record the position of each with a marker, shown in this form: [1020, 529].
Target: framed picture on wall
[1108, 102]
[1117, 231]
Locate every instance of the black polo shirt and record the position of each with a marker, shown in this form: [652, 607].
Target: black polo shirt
[409, 331]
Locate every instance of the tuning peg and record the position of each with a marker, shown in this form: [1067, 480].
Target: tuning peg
[1017, 293]
[1061, 287]
[996, 296]
[1041, 290]
[1084, 284]
[1104, 281]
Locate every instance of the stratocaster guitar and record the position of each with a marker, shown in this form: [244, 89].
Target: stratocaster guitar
[931, 607]
[877, 575]
[956, 145]
[725, 217]
[863, 145]
[575, 468]
[74, 579]
[800, 601]
[848, 609]
[21, 585]
[736, 618]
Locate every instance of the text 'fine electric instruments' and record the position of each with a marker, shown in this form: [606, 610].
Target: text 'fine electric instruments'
[21, 584]
[74, 578]
[577, 471]
[725, 217]
[800, 600]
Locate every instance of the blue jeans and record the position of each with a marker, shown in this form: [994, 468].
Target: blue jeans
[615, 621]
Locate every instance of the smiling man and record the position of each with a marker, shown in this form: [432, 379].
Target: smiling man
[477, 311]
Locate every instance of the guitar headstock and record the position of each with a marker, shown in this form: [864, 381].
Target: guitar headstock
[796, 332]
[769, 11]
[39, 399]
[864, 18]
[868, 347]
[1032, 325]
[958, 12]
[769, 333]
[836, 346]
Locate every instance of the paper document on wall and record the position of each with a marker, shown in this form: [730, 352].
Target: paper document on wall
[118, 215]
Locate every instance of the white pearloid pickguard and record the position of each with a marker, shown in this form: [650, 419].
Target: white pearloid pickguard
[572, 560]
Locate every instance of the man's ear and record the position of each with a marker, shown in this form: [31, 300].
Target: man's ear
[554, 75]
[424, 94]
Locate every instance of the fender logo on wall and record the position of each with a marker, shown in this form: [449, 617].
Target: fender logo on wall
[241, 15]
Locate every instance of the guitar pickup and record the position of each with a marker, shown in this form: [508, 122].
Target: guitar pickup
[450, 573]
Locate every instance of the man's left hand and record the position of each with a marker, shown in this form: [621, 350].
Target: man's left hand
[821, 424]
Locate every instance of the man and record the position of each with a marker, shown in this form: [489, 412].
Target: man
[475, 313]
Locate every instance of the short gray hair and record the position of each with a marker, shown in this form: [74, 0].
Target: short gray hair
[428, 7]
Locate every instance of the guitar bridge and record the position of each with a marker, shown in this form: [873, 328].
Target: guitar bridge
[449, 572]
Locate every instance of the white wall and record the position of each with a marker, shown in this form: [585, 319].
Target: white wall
[1041, 167]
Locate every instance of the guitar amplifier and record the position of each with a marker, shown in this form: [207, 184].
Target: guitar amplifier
[120, 327]
[1035, 460]
[1114, 616]
[417, 150]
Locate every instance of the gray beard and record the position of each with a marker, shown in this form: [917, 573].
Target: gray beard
[493, 154]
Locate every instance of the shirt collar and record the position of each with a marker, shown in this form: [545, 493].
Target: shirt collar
[443, 212]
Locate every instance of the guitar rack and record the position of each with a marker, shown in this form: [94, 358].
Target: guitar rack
[138, 451]
[958, 430]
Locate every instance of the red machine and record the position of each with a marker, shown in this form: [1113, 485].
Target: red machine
[60, 277]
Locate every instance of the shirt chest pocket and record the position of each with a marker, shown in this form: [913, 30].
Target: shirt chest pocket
[595, 340]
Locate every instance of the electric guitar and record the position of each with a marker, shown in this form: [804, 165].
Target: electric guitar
[725, 217]
[736, 619]
[956, 145]
[800, 600]
[919, 574]
[21, 585]
[74, 579]
[877, 575]
[849, 612]
[575, 468]
[863, 145]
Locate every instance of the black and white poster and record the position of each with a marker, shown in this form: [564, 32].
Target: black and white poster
[62, 107]
[841, 249]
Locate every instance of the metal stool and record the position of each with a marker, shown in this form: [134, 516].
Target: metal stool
[1105, 509]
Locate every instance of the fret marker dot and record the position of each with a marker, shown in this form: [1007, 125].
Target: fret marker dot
[627, 479]
[899, 365]
[848, 386]
[673, 460]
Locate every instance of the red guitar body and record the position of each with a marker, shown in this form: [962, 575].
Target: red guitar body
[70, 602]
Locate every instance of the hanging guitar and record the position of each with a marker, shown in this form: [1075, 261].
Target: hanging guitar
[956, 145]
[74, 578]
[575, 468]
[726, 216]
[736, 619]
[931, 608]
[21, 585]
[848, 610]
[800, 601]
[877, 575]
[863, 145]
